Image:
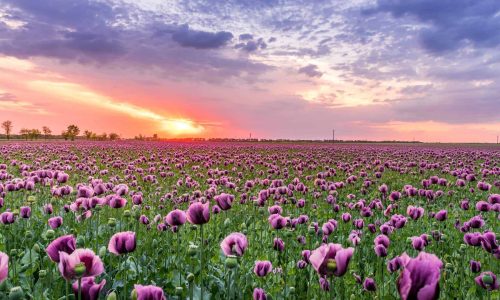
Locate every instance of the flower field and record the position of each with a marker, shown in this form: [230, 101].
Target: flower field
[136, 220]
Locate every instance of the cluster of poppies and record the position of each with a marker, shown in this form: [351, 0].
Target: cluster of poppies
[154, 221]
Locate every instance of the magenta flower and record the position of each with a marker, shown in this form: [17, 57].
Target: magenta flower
[487, 280]
[369, 285]
[224, 201]
[176, 217]
[149, 292]
[331, 259]
[55, 222]
[420, 276]
[441, 215]
[86, 257]
[277, 222]
[25, 212]
[7, 218]
[90, 290]
[234, 244]
[259, 294]
[122, 243]
[262, 268]
[65, 243]
[198, 213]
[4, 266]
[475, 266]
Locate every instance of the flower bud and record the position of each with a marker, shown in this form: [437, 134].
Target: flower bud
[112, 296]
[112, 222]
[49, 234]
[16, 293]
[190, 277]
[102, 251]
[126, 213]
[42, 273]
[178, 290]
[192, 250]
[36, 248]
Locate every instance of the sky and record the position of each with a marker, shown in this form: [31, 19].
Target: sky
[375, 70]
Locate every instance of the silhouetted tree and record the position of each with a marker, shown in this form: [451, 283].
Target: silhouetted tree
[7, 127]
[46, 131]
[72, 131]
[114, 136]
[24, 132]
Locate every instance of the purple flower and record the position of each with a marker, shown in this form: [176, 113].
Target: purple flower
[394, 264]
[90, 290]
[86, 257]
[331, 259]
[7, 218]
[262, 268]
[65, 243]
[278, 244]
[55, 222]
[324, 284]
[487, 280]
[148, 292]
[198, 213]
[369, 285]
[441, 215]
[475, 266]
[25, 212]
[420, 276]
[224, 201]
[382, 240]
[259, 294]
[234, 244]
[122, 243]
[4, 266]
[277, 221]
[380, 250]
[176, 217]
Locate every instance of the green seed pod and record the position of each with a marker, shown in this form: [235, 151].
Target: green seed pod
[16, 293]
[192, 250]
[127, 213]
[112, 296]
[36, 248]
[42, 273]
[31, 199]
[487, 279]
[29, 234]
[133, 296]
[190, 277]
[112, 222]
[227, 222]
[178, 290]
[231, 262]
[80, 269]
[292, 290]
[49, 234]
[102, 251]
[155, 243]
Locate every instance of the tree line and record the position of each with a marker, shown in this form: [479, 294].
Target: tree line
[71, 133]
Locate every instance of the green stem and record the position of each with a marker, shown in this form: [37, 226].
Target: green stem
[201, 263]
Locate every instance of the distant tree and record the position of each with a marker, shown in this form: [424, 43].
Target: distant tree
[46, 131]
[72, 131]
[114, 136]
[155, 136]
[25, 133]
[7, 127]
[65, 135]
[89, 134]
[103, 136]
[34, 134]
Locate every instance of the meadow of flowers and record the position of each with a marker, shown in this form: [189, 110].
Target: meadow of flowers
[132, 220]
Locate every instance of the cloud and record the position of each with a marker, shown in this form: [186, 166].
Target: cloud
[311, 71]
[451, 24]
[7, 97]
[198, 39]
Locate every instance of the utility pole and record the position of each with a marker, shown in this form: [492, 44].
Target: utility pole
[497, 139]
[333, 136]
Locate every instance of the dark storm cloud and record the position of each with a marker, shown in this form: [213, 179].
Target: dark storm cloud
[453, 23]
[198, 39]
